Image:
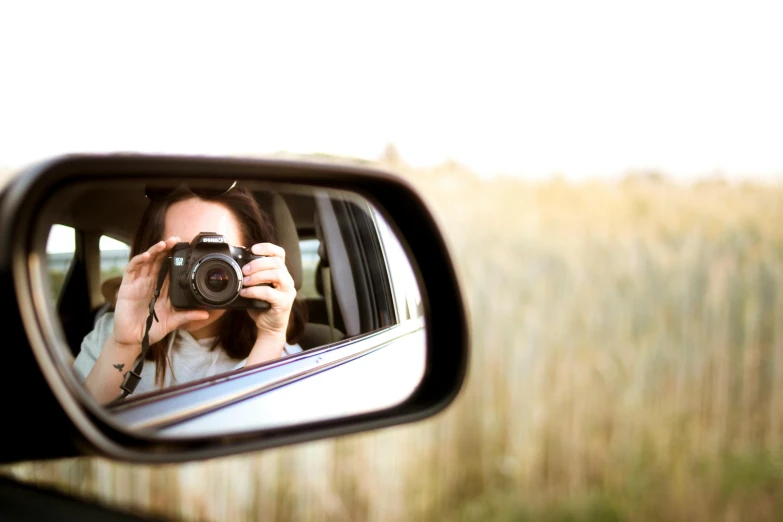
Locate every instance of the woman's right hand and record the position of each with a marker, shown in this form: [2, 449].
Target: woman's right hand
[133, 300]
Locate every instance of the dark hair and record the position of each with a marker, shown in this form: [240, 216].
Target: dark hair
[238, 332]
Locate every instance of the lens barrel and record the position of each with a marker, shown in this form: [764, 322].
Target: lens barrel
[216, 279]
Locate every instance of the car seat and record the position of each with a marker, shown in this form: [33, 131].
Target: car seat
[314, 334]
[109, 290]
[73, 304]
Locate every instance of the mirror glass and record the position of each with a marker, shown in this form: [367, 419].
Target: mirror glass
[277, 304]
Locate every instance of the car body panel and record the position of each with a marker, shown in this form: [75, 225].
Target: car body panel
[199, 405]
[375, 380]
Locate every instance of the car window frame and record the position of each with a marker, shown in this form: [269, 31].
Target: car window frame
[405, 293]
[370, 270]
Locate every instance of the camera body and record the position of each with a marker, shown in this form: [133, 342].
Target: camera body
[206, 274]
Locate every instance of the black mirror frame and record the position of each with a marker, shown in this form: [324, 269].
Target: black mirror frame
[48, 407]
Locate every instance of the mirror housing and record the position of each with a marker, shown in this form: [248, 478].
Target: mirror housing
[46, 420]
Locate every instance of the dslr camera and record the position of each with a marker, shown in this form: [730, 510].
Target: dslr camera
[207, 274]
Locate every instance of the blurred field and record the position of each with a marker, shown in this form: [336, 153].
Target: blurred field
[627, 365]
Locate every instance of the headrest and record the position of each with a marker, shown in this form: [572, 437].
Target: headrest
[109, 289]
[287, 237]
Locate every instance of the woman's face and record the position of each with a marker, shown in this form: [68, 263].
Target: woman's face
[186, 219]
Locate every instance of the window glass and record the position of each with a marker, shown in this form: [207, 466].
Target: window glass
[309, 248]
[406, 288]
[114, 257]
[60, 249]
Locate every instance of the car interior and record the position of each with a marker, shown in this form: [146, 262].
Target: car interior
[112, 211]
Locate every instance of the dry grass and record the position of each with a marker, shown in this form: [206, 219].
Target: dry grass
[627, 365]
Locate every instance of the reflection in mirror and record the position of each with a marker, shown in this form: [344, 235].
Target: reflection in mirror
[274, 304]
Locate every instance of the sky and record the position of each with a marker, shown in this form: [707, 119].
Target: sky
[579, 89]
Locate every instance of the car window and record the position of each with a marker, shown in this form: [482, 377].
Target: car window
[60, 250]
[405, 288]
[114, 257]
[309, 249]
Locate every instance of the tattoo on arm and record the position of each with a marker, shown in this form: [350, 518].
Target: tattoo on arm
[119, 366]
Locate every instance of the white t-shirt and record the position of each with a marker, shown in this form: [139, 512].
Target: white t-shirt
[188, 358]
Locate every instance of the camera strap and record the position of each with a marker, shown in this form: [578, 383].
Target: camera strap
[132, 377]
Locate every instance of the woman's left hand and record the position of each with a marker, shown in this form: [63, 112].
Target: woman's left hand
[281, 295]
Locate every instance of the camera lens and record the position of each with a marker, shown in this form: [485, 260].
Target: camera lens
[217, 279]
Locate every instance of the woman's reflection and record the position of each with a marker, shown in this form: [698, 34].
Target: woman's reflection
[191, 344]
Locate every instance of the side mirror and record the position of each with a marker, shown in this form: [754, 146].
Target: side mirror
[312, 300]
